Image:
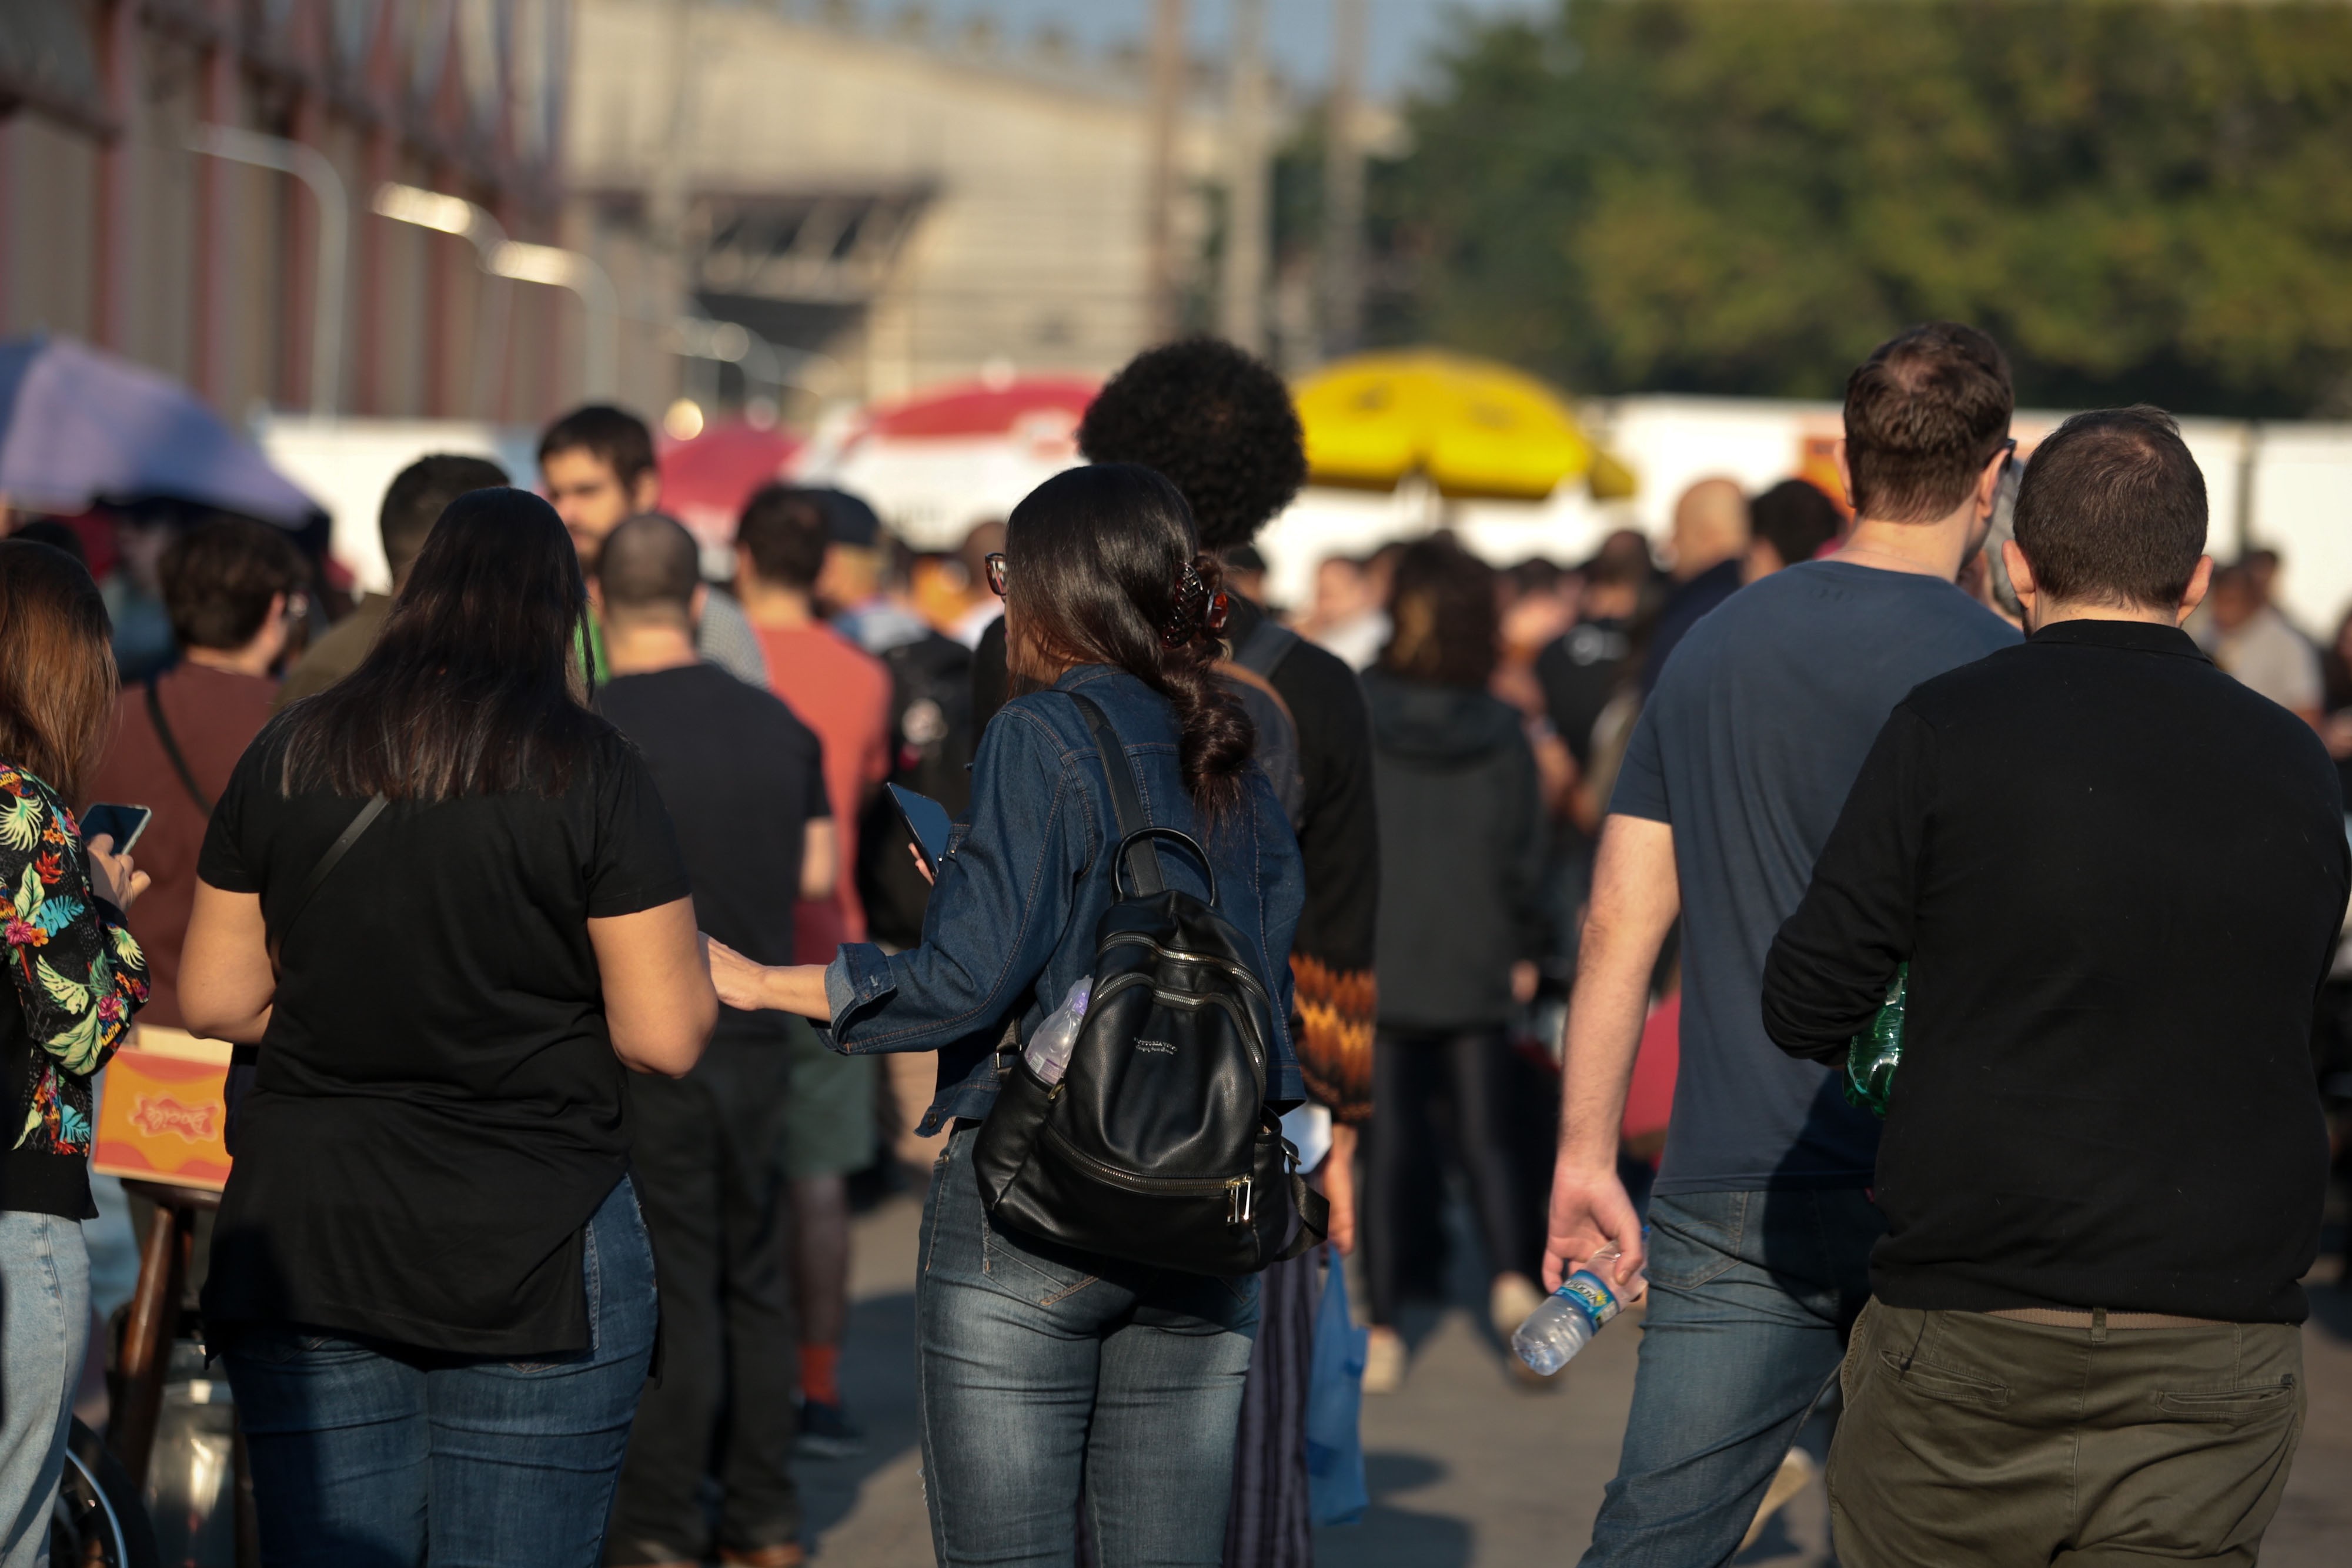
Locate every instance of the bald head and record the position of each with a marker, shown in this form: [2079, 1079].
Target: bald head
[1710, 527]
[648, 571]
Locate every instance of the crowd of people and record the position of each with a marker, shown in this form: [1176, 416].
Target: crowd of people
[556, 910]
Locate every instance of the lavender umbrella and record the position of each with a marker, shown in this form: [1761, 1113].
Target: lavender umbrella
[78, 426]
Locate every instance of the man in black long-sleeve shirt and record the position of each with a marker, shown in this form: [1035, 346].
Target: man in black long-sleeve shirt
[2118, 876]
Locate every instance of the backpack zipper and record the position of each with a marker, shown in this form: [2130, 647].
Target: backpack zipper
[1156, 1186]
[1239, 972]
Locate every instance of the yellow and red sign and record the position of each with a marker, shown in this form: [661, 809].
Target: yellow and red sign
[163, 1116]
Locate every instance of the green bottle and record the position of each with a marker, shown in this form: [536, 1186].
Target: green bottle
[1872, 1055]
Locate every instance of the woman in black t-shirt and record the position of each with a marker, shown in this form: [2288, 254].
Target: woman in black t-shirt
[429, 1278]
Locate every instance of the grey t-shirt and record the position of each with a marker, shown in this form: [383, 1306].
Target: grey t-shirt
[1747, 747]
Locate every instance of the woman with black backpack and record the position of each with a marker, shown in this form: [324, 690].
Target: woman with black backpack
[1090, 1243]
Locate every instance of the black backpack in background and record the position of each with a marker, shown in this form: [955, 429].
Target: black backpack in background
[1157, 1145]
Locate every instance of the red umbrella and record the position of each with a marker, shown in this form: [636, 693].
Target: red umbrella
[706, 480]
[1043, 408]
[935, 464]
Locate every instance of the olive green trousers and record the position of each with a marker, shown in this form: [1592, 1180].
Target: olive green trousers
[1971, 1439]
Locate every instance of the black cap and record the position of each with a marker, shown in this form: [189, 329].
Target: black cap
[848, 520]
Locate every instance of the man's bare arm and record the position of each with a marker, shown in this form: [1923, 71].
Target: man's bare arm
[1635, 898]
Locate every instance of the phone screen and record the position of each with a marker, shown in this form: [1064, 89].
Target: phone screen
[123, 824]
[927, 820]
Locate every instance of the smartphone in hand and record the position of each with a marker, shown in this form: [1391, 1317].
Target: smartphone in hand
[927, 823]
[121, 823]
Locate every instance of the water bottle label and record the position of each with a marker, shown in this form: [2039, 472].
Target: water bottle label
[1588, 1290]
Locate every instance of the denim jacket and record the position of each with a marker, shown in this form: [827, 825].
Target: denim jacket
[1011, 926]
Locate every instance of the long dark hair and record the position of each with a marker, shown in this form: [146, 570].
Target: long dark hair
[1097, 562]
[475, 686]
[56, 666]
[1446, 626]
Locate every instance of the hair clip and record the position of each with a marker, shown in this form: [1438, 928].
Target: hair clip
[1184, 614]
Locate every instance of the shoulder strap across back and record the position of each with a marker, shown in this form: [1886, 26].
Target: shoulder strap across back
[1143, 858]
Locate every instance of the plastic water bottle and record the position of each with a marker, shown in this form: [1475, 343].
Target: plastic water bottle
[1048, 1050]
[1568, 1318]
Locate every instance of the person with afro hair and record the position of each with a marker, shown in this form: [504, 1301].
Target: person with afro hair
[1216, 421]
[1219, 423]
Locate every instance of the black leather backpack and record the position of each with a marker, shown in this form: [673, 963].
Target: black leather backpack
[1156, 1146]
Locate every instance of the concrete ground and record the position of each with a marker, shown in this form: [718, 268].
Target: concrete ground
[1467, 1470]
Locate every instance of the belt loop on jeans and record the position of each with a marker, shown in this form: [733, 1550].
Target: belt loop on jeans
[2098, 1325]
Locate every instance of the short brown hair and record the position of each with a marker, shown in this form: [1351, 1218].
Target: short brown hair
[1923, 414]
[419, 494]
[2112, 510]
[219, 577]
[614, 436]
[56, 665]
[649, 565]
[785, 530]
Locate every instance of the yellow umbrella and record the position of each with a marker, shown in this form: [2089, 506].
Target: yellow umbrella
[1475, 427]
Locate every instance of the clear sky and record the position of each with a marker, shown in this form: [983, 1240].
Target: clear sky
[1298, 32]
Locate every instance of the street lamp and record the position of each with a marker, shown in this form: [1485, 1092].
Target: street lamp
[311, 167]
[525, 263]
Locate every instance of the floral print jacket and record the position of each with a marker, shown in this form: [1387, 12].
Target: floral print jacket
[76, 976]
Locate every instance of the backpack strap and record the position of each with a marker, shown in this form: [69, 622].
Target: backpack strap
[1267, 646]
[1134, 826]
[172, 749]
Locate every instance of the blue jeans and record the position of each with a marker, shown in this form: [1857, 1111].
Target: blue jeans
[1044, 1371]
[44, 1330]
[1752, 1295]
[368, 1455]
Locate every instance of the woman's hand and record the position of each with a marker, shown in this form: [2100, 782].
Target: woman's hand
[781, 988]
[922, 863]
[741, 983]
[112, 876]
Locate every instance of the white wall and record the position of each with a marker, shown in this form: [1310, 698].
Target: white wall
[2302, 485]
[346, 465]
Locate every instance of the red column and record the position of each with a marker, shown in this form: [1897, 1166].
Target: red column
[368, 236]
[212, 316]
[110, 296]
[299, 297]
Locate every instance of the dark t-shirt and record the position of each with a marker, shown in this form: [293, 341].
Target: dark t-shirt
[1579, 673]
[743, 778]
[437, 1110]
[1760, 723]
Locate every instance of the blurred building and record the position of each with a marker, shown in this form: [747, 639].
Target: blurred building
[112, 229]
[910, 204]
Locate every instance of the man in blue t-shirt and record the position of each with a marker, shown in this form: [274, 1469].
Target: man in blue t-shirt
[1760, 1226]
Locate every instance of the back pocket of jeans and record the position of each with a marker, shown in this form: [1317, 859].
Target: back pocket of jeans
[1946, 1384]
[1695, 1237]
[2233, 1407]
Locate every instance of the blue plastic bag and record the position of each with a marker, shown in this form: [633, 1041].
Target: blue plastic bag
[1335, 1398]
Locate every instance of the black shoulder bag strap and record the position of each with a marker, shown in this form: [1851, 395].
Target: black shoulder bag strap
[245, 1059]
[327, 863]
[172, 749]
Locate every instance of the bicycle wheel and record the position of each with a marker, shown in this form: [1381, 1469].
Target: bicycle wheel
[98, 1521]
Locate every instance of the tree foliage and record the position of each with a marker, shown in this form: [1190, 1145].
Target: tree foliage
[2142, 201]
